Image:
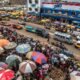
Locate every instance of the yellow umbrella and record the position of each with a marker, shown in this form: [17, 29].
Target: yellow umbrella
[29, 55]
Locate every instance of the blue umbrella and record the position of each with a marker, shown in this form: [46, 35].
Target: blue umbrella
[23, 48]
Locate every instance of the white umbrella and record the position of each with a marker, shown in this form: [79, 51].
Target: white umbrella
[27, 66]
[74, 75]
[63, 56]
[23, 48]
[1, 50]
[11, 45]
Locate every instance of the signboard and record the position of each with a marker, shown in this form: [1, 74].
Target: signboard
[34, 6]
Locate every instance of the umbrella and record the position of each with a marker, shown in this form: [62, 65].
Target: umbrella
[23, 48]
[6, 74]
[27, 66]
[64, 56]
[45, 66]
[12, 59]
[29, 55]
[3, 42]
[1, 36]
[11, 45]
[75, 75]
[1, 69]
[56, 22]
[39, 57]
[3, 65]
[1, 50]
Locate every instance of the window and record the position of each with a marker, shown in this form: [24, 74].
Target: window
[30, 1]
[36, 1]
[73, 13]
[30, 9]
[49, 11]
[59, 12]
[53, 12]
[36, 9]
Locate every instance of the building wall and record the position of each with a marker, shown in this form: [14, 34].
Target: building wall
[72, 0]
[20, 2]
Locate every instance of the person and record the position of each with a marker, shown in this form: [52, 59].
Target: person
[48, 38]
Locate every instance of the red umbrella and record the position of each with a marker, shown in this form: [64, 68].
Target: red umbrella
[6, 74]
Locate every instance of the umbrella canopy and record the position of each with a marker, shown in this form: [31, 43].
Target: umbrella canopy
[29, 55]
[1, 69]
[1, 36]
[3, 65]
[56, 22]
[12, 59]
[6, 74]
[45, 66]
[23, 48]
[39, 57]
[11, 45]
[3, 42]
[27, 67]
[75, 75]
[1, 50]
[64, 56]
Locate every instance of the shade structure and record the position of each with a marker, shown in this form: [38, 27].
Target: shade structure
[27, 67]
[23, 48]
[1, 50]
[6, 74]
[3, 65]
[12, 59]
[11, 45]
[3, 42]
[39, 57]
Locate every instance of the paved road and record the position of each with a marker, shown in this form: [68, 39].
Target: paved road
[43, 40]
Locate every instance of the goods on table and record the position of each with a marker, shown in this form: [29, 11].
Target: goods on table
[56, 74]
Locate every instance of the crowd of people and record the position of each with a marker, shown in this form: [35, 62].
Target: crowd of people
[54, 60]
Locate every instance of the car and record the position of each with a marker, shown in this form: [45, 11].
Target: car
[78, 37]
[76, 33]
[30, 29]
[17, 26]
[77, 44]
[42, 32]
[22, 23]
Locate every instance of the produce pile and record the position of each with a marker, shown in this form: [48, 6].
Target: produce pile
[57, 74]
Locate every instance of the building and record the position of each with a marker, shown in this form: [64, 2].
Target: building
[61, 11]
[78, 1]
[19, 2]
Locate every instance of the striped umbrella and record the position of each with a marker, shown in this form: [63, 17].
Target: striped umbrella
[23, 48]
[39, 57]
[27, 67]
